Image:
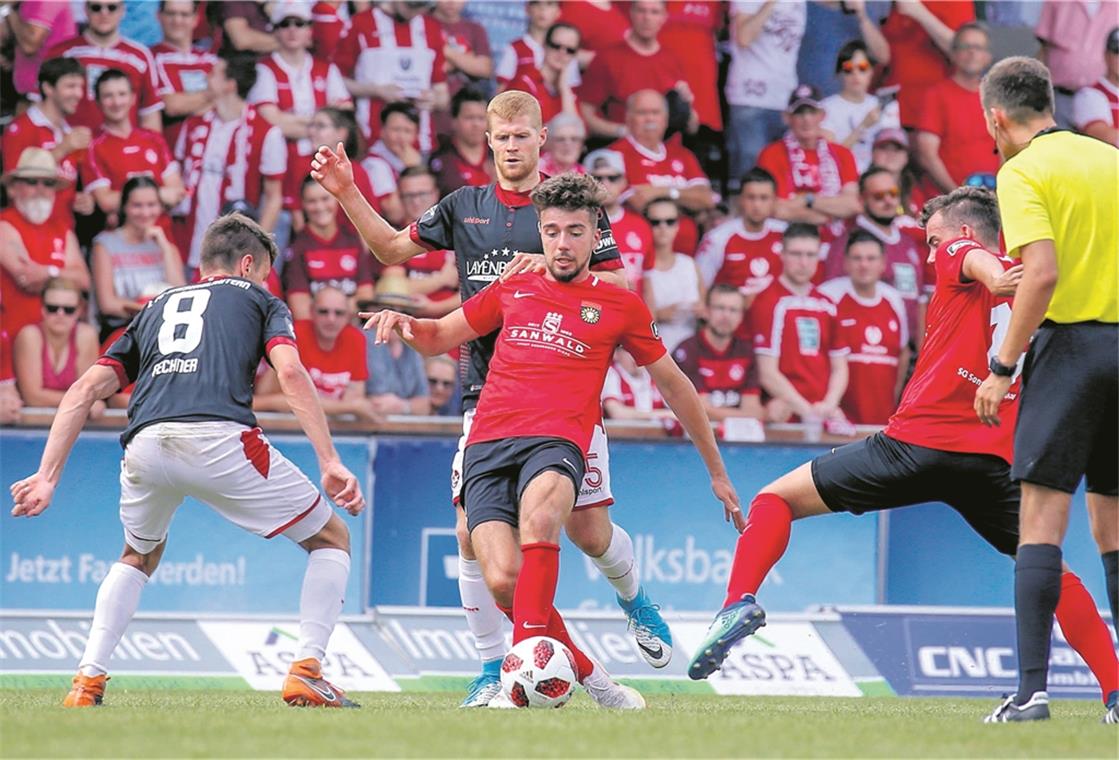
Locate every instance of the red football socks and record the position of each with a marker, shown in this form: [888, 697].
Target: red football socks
[535, 591]
[1086, 632]
[760, 546]
[558, 631]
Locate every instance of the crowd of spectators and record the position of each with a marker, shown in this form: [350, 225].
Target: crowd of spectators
[764, 162]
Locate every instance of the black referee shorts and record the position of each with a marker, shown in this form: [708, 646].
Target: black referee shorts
[880, 473]
[496, 473]
[1067, 419]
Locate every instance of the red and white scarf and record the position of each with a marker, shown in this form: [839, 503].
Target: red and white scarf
[823, 178]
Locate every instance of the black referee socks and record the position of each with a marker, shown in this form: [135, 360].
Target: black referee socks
[1037, 588]
[1110, 572]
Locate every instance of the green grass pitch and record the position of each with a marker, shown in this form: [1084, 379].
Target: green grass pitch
[147, 723]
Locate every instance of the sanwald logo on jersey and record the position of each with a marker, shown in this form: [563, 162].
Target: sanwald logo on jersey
[538, 338]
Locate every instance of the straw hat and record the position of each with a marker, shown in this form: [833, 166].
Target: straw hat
[35, 163]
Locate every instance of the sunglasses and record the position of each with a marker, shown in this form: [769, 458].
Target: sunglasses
[331, 312]
[658, 222]
[850, 66]
[435, 382]
[892, 194]
[54, 308]
[298, 23]
[986, 181]
[106, 7]
[35, 182]
[608, 177]
[564, 48]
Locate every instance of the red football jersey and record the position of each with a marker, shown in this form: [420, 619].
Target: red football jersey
[690, 34]
[112, 160]
[181, 71]
[634, 239]
[619, 71]
[332, 371]
[732, 255]
[875, 330]
[598, 29]
[529, 79]
[453, 171]
[132, 58]
[329, 25]
[32, 129]
[966, 326]
[556, 342]
[802, 332]
[955, 115]
[726, 376]
[425, 265]
[774, 158]
[341, 262]
[46, 245]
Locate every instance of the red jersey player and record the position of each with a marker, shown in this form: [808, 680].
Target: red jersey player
[557, 330]
[934, 449]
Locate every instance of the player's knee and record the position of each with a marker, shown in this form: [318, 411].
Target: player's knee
[541, 524]
[591, 536]
[501, 581]
[334, 535]
[145, 563]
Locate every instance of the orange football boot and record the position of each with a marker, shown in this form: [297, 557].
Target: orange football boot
[305, 687]
[86, 691]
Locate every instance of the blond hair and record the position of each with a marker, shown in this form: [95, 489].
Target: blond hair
[513, 103]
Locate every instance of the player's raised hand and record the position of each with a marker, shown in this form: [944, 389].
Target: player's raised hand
[386, 321]
[341, 486]
[332, 169]
[525, 262]
[1007, 283]
[732, 508]
[31, 495]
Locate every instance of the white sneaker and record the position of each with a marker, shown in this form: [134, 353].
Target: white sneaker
[501, 702]
[608, 693]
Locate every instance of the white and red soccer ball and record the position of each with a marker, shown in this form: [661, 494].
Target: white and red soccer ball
[538, 672]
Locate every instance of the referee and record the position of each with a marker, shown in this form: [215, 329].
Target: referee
[1058, 194]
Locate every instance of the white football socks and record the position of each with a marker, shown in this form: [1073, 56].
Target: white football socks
[617, 564]
[117, 600]
[320, 602]
[482, 615]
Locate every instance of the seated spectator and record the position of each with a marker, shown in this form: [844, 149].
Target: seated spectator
[1096, 108]
[905, 264]
[637, 63]
[120, 151]
[244, 26]
[432, 275]
[464, 159]
[765, 40]
[290, 86]
[45, 125]
[36, 27]
[656, 168]
[397, 381]
[230, 156]
[333, 351]
[853, 117]
[1071, 35]
[566, 137]
[132, 258]
[891, 151]
[183, 67]
[34, 245]
[51, 354]
[442, 385]
[325, 254]
[817, 181]
[11, 405]
[330, 126]
[601, 24]
[629, 392]
[100, 46]
[720, 362]
[802, 362]
[872, 322]
[745, 252]
[952, 140]
[394, 52]
[394, 151]
[466, 48]
[528, 51]
[549, 83]
[631, 232]
[673, 289]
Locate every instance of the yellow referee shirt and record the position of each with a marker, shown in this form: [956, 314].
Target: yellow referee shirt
[1064, 187]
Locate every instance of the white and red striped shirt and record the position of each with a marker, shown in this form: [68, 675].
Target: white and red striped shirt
[131, 57]
[634, 239]
[732, 255]
[1096, 102]
[180, 71]
[635, 391]
[526, 53]
[381, 50]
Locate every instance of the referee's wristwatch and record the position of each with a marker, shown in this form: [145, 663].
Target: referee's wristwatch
[1000, 369]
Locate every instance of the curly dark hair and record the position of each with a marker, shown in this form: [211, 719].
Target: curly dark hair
[976, 207]
[570, 192]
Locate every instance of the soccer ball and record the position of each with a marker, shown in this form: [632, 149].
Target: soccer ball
[538, 672]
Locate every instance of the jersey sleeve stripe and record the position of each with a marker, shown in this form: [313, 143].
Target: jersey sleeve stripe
[116, 366]
[414, 234]
[279, 340]
[609, 265]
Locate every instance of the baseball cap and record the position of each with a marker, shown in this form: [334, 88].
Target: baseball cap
[604, 159]
[894, 135]
[290, 9]
[1113, 41]
[804, 95]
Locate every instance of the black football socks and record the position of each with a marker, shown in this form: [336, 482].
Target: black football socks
[1037, 588]
[1110, 572]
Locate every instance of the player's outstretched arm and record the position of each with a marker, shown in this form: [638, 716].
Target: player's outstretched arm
[681, 397]
[429, 337]
[332, 169]
[33, 494]
[338, 482]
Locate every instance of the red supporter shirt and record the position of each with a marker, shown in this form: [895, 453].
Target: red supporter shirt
[341, 262]
[725, 376]
[634, 239]
[801, 332]
[425, 265]
[7, 375]
[32, 129]
[690, 35]
[112, 160]
[966, 325]
[922, 64]
[530, 80]
[46, 245]
[453, 171]
[876, 332]
[181, 71]
[132, 58]
[774, 158]
[332, 371]
[619, 71]
[555, 344]
[955, 115]
[598, 29]
[732, 255]
[328, 27]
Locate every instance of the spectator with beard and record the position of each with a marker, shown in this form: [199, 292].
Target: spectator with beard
[632, 233]
[464, 159]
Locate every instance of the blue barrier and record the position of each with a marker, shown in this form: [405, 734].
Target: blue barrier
[55, 561]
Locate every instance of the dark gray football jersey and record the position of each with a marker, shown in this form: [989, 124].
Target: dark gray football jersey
[486, 227]
[193, 352]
